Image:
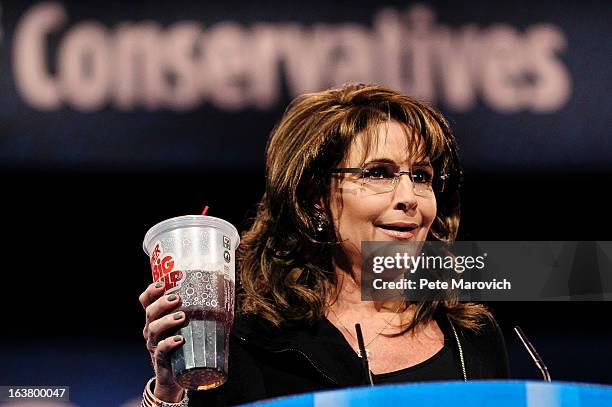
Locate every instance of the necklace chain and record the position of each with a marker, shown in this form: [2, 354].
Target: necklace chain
[457, 341]
[460, 349]
[375, 336]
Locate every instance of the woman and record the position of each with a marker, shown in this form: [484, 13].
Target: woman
[335, 177]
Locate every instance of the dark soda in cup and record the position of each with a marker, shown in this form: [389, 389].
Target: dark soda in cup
[194, 257]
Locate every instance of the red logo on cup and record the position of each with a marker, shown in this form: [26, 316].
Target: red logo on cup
[227, 243]
[163, 269]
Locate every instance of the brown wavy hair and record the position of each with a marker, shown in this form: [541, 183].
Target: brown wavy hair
[285, 266]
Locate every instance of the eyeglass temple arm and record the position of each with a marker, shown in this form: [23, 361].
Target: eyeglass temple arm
[346, 171]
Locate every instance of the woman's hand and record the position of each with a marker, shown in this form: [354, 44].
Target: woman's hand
[162, 315]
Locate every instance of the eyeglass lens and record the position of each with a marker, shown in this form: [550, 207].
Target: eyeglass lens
[384, 177]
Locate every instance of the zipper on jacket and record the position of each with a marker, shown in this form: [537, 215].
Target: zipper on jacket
[312, 363]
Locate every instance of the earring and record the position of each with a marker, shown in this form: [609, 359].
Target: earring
[321, 222]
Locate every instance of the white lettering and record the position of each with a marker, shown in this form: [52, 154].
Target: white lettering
[138, 79]
[377, 264]
[142, 65]
[419, 80]
[264, 59]
[350, 59]
[456, 56]
[32, 77]
[227, 50]
[179, 48]
[388, 48]
[84, 66]
[432, 285]
[304, 54]
[553, 84]
[503, 69]
[481, 285]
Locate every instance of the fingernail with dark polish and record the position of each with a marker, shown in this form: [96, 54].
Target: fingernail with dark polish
[178, 338]
[159, 284]
[178, 316]
[172, 297]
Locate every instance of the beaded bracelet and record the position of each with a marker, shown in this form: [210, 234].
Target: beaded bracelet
[149, 399]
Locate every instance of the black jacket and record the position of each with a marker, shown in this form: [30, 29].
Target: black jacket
[266, 362]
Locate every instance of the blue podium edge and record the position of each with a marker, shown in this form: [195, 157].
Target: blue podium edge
[497, 393]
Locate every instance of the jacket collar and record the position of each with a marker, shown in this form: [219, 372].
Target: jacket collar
[321, 344]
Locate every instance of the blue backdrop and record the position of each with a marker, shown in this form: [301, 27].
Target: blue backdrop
[192, 85]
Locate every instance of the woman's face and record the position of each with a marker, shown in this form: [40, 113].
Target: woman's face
[395, 215]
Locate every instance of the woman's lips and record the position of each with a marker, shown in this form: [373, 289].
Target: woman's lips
[408, 234]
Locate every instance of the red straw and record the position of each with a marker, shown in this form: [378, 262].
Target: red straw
[205, 210]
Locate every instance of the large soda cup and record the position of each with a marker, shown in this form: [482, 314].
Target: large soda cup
[194, 257]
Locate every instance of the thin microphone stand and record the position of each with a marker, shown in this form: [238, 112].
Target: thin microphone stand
[364, 355]
[533, 353]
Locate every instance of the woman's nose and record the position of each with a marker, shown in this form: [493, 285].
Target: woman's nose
[404, 195]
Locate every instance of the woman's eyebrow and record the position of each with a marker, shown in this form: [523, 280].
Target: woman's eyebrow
[381, 160]
[426, 163]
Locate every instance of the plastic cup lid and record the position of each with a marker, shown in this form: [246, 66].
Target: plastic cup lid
[190, 221]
